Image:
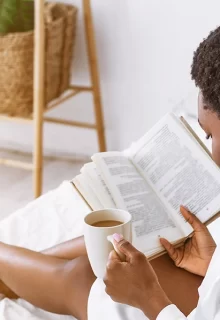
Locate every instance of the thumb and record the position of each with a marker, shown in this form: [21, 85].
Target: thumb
[196, 224]
[171, 250]
[124, 246]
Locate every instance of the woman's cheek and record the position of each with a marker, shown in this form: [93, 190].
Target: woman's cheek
[216, 151]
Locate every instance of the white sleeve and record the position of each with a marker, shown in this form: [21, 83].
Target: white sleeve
[171, 312]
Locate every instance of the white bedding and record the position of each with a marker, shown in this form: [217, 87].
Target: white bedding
[49, 220]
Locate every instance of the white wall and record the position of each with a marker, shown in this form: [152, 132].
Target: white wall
[145, 51]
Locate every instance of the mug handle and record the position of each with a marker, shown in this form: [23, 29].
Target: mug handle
[120, 254]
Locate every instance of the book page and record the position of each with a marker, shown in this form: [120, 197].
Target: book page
[179, 170]
[131, 192]
[83, 187]
[98, 185]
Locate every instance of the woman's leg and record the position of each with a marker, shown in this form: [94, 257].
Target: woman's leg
[68, 250]
[180, 286]
[5, 292]
[53, 284]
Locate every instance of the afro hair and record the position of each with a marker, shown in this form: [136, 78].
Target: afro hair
[205, 70]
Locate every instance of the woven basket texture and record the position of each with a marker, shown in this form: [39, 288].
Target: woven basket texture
[17, 56]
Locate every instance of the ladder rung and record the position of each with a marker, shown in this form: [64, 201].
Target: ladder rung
[17, 164]
[71, 123]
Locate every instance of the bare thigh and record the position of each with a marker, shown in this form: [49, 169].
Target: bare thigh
[80, 278]
[75, 281]
[180, 285]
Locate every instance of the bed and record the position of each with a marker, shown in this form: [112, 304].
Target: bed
[51, 219]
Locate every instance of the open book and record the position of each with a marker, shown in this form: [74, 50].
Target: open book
[166, 168]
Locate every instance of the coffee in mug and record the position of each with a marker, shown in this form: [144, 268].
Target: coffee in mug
[98, 226]
[107, 223]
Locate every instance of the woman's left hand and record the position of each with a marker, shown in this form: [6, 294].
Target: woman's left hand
[134, 282]
[196, 253]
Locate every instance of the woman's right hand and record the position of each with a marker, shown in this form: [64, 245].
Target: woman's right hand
[196, 253]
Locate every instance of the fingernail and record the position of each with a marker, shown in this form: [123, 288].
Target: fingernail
[117, 237]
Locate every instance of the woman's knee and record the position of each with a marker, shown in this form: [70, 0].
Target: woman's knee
[79, 269]
[6, 292]
[79, 278]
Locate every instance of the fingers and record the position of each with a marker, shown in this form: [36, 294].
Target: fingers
[112, 259]
[113, 256]
[196, 224]
[172, 252]
[125, 247]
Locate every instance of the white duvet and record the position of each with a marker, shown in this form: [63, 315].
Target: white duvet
[49, 220]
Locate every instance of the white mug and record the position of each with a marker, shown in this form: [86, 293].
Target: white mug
[96, 238]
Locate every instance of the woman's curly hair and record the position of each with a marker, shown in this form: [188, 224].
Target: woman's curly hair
[206, 70]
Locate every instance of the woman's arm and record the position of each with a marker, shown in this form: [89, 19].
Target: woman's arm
[194, 256]
[168, 274]
[135, 283]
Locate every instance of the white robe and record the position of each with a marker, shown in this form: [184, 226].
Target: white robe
[101, 307]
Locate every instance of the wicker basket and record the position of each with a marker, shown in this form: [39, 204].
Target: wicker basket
[17, 54]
